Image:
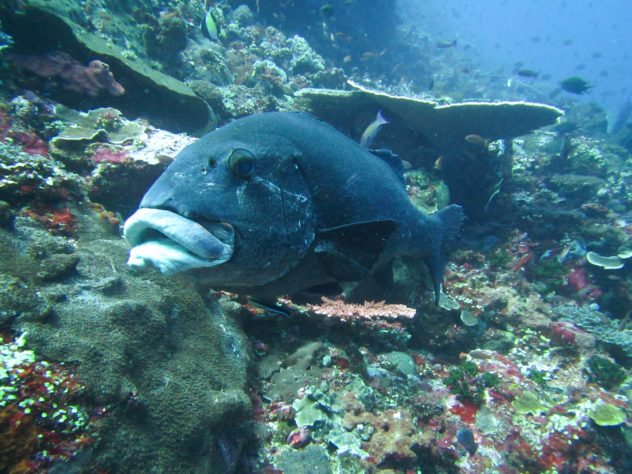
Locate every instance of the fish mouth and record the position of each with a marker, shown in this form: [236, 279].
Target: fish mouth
[172, 243]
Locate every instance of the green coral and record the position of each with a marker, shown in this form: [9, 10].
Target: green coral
[499, 258]
[605, 414]
[539, 377]
[553, 273]
[309, 411]
[605, 372]
[468, 384]
[528, 402]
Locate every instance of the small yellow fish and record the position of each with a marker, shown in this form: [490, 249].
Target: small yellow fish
[371, 55]
[169, 15]
[344, 37]
[371, 131]
[346, 59]
[446, 44]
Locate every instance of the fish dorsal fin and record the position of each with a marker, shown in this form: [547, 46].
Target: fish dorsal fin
[348, 252]
[393, 160]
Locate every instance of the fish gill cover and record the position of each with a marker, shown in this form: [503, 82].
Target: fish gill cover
[345, 363]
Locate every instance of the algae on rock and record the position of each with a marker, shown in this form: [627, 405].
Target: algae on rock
[170, 366]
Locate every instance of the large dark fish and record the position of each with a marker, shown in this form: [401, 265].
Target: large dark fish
[280, 202]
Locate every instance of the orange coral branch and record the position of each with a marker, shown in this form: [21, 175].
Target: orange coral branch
[369, 310]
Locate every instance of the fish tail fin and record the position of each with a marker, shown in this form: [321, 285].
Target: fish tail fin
[450, 228]
[380, 119]
[452, 218]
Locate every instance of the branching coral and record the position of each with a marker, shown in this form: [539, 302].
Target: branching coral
[338, 309]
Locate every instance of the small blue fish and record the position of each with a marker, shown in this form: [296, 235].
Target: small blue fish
[269, 308]
[466, 438]
[371, 131]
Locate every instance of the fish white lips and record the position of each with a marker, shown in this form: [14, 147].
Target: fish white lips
[173, 243]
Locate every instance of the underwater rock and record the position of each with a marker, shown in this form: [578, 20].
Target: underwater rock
[605, 372]
[299, 368]
[394, 438]
[58, 266]
[167, 39]
[170, 367]
[18, 299]
[243, 15]
[401, 362]
[164, 100]
[312, 459]
[91, 79]
[579, 188]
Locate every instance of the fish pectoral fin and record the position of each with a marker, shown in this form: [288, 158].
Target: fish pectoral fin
[349, 252]
[393, 160]
[343, 268]
[331, 289]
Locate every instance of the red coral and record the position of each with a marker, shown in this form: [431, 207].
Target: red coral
[565, 333]
[57, 221]
[31, 143]
[579, 281]
[28, 140]
[90, 79]
[466, 411]
[43, 426]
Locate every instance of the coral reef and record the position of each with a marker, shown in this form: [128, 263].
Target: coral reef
[524, 365]
[150, 366]
[148, 92]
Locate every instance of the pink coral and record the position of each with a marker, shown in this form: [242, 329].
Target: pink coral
[300, 437]
[90, 79]
[338, 309]
[111, 156]
[26, 138]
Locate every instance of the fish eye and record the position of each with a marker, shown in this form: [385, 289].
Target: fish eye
[212, 163]
[242, 163]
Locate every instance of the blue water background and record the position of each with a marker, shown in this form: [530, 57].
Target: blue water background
[588, 38]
